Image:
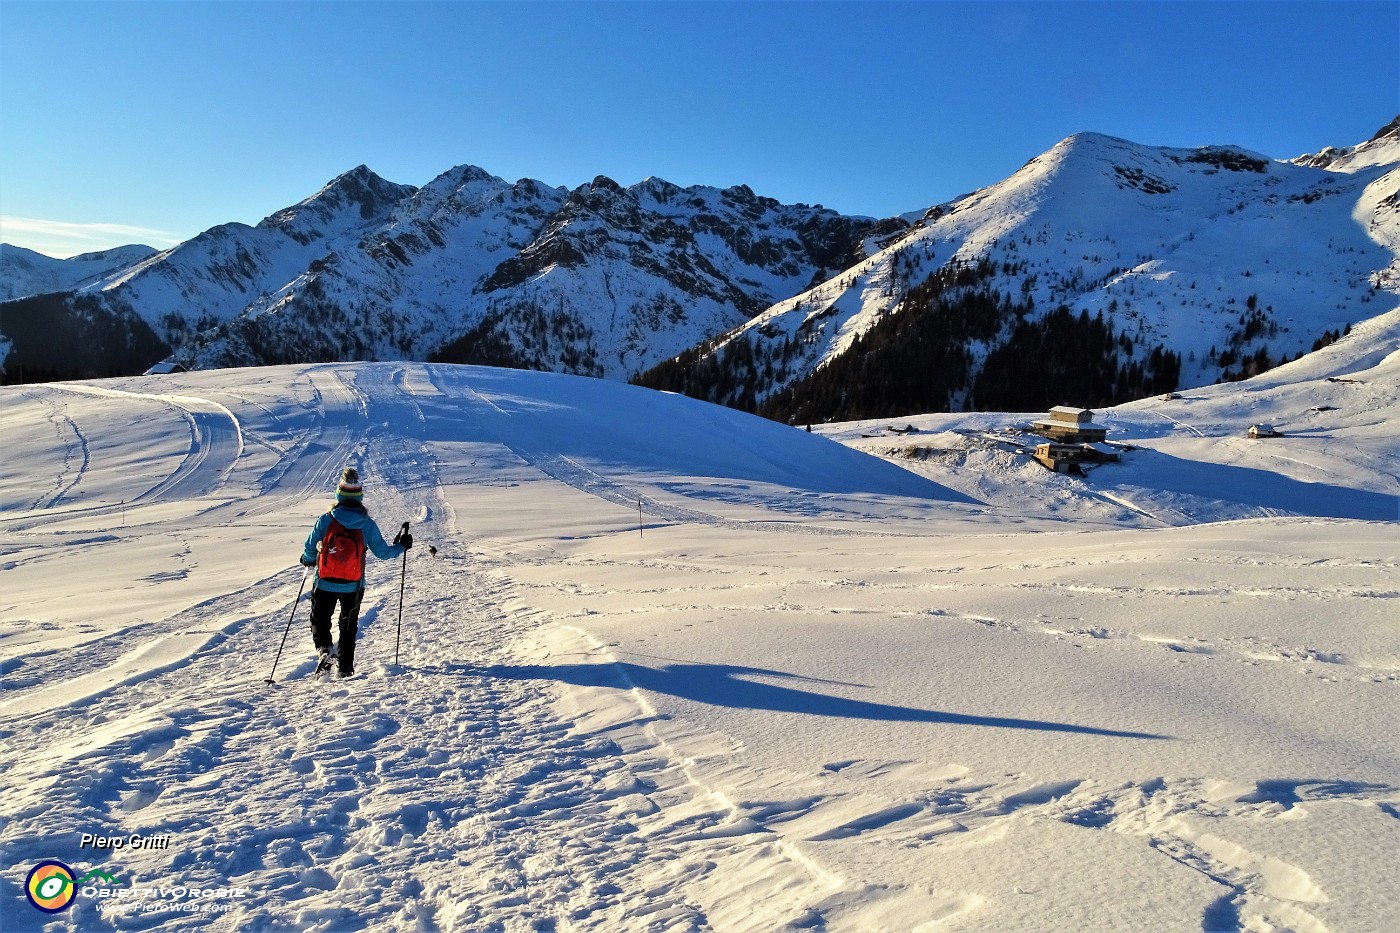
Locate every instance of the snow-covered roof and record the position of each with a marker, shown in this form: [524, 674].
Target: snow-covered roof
[1070, 413]
[165, 367]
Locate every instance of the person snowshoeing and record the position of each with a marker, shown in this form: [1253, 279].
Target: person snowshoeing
[336, 548]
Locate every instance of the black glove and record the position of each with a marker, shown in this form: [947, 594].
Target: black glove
[406, 540]
[307, 563]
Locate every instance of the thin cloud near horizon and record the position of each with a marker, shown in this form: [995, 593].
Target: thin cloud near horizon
[62, 239]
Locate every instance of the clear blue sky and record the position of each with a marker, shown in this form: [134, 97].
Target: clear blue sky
[149, 122]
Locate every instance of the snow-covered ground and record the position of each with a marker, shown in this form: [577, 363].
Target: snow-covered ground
[677, 668]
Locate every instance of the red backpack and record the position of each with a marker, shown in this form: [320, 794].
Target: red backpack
[342, 557]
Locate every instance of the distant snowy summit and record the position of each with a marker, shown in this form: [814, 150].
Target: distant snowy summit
[1381, 149]
[1102, 270]
[25, 272]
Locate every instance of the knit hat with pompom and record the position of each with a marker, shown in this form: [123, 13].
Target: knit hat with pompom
[349, 489]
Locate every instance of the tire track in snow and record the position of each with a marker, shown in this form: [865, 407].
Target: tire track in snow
[309, 467]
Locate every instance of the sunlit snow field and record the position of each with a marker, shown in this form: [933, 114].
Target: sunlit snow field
[677, 668]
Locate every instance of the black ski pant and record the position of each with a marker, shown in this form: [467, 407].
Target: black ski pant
[323, 603]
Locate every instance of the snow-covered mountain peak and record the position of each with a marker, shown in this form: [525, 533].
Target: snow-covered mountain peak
[1196, 264]
[603, 183]
[117, 256]
[355, 198]
[1382, 149]
[657, 190]
[462, 189]
[743, 196]
[1089, 142]
[463, 182]
[1086, 155]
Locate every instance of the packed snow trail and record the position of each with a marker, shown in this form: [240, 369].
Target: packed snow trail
[431, 795]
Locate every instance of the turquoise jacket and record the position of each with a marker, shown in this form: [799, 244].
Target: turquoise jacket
[350, 516]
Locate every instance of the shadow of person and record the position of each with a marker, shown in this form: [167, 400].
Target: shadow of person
[751, 688]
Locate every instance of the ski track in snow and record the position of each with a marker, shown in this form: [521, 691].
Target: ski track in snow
[1180, 424]
[209, 424]
[334, 439]
[458, 792]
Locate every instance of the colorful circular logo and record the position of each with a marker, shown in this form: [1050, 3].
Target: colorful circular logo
[51, 887]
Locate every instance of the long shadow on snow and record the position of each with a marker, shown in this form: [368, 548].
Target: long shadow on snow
[726, 685]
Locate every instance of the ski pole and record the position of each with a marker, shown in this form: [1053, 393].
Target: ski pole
[304, 574]
[403, 577]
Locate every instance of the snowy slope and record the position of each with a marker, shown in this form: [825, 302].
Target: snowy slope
[1188, 459]
[677, 668]
[24, 272]
[1215, 254]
